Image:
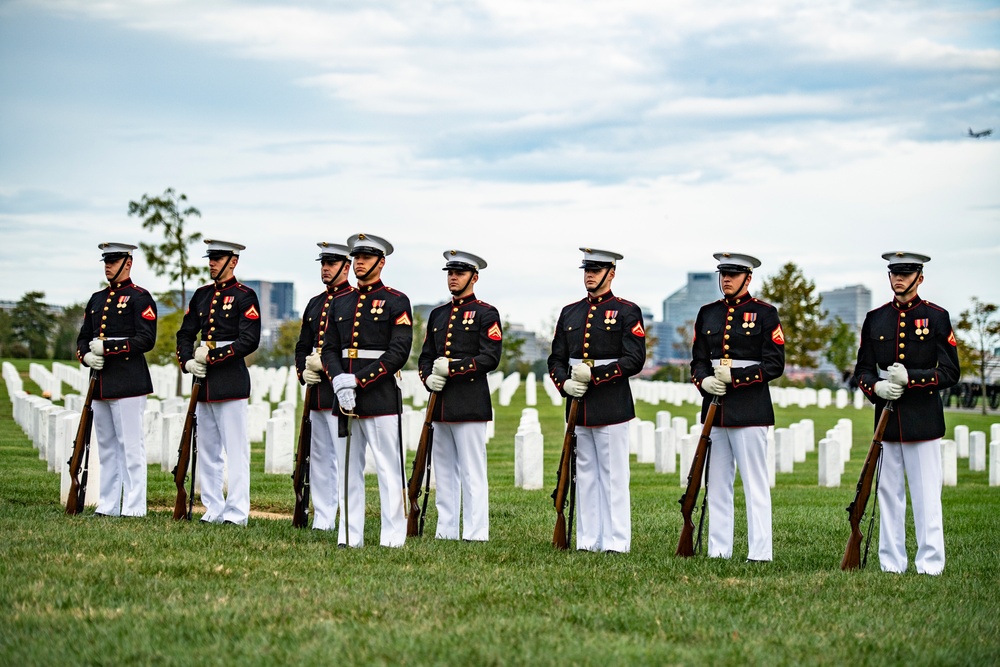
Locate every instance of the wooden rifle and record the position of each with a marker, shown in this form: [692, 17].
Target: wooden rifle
[685, 546]
[421, 472]
[80, 458]
[300, 476]
[856, 510]
[565, 480]
[187, 454]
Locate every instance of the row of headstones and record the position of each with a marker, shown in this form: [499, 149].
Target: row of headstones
[529, 451]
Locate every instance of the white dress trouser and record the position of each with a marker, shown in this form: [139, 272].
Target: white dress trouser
[324, 487]
[223, 441]
[743, 448]
[122, 452]
[382, 434]
[920, 464]
[459, 460]
[603, 504]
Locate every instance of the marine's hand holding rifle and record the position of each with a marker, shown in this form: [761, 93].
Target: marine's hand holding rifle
[196, 369]
[314, 363]
[580, 373]
[97, 347]
[724, 374]
[888, 390]
[439, 375]
[94, 361]
[898, 375]
[714, 386]
[311, 377]
[343, 386]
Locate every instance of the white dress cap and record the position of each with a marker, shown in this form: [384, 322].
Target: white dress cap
[598, 259]
[115, 251]
[332, 252]
[459, 260]
[216, 247]
[369, 244]
[736, 262]
[905, 262]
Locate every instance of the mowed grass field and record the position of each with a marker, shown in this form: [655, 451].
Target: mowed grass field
[151, 591]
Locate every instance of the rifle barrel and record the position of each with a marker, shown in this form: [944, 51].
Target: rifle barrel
[685, 545]
[560, 537]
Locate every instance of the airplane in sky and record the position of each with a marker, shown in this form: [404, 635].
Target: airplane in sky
[981, 134]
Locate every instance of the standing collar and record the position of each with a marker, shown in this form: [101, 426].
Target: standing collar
[738, 300]
[226, 285]
[601, 298]
[458, 301]
[909, 305]
[120, 284]
[377, 285]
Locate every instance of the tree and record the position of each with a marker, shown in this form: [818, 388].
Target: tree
[6, 335]
[982, 328]
[283, 351]
[801, 315]
[67, 329]
[512, 355]
[31, 324]
[842, 348]
[419, 329]
[170, 258]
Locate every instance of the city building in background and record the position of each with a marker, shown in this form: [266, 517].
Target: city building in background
[679, 312]
[850, 304]
[277, 305]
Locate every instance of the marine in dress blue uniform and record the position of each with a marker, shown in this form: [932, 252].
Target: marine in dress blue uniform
[462, 345]
[119, 327]
[599, 343]
[323, 465]
[738, 349]
[226, 314]
[908, 354]
[368, 341]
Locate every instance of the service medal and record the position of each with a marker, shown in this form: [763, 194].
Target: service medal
[748, 320]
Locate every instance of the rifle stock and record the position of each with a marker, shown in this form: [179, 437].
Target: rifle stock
[300, 476]
[560, 536]
[421, 467]
[81, 448]
[188, 437]
[685, 546]
[856, 510]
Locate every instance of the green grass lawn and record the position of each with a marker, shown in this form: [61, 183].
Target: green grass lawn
[77, 590]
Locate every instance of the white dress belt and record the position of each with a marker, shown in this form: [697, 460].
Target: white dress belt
[216, 344]
[736, 363]
[353, 353]
[591, 362]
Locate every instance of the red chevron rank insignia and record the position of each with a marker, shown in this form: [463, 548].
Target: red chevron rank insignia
[404, 319]
[149, 314]
[494, 332]
[951, 339]
[252, 313]
[778, 336]
[638, 330]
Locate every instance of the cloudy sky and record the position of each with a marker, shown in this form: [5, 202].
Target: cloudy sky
[823, 133]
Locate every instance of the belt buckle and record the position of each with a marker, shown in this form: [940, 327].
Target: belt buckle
[725, 362]
[589, 362]
[210, 344]
[352, 354]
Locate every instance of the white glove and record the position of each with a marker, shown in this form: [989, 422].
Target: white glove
[435, 382]
[714, 386]
[94, 361]
[890, 391]
[201, 354]
[344, 381]
[724, 374]
[580, 373]
[574, 388]
[195, 368]
[97, 347]
[311, 377]
[440, 367]
[314, 362]
[346, 398]
[898, 375]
